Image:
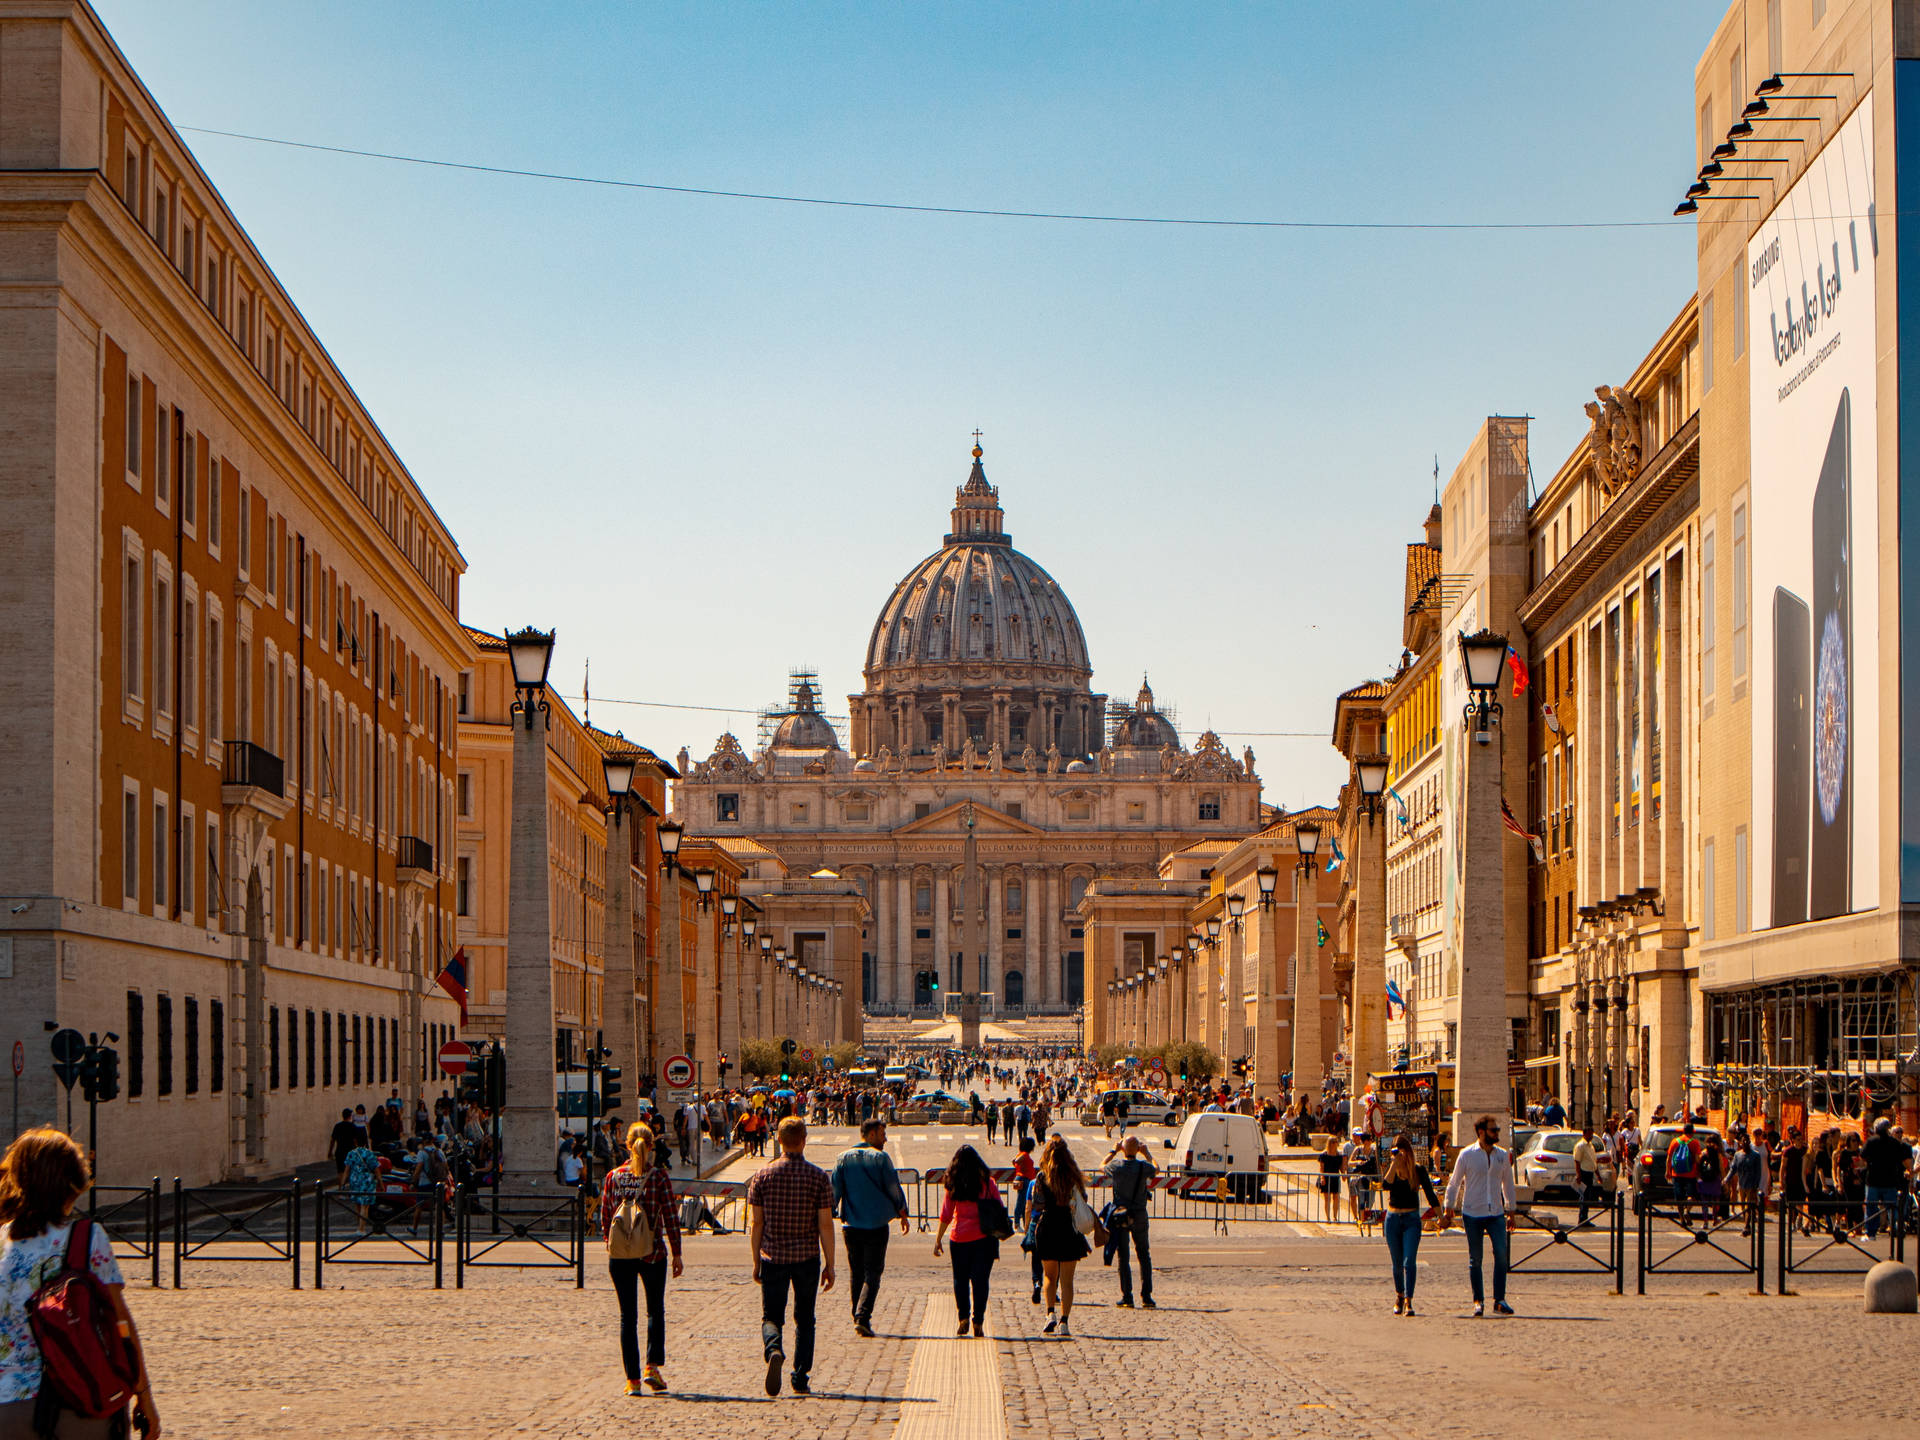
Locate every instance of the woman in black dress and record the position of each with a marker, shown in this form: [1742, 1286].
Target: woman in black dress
[1058, 1240]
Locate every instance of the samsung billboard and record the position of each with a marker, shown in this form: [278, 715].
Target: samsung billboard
[1811, 516]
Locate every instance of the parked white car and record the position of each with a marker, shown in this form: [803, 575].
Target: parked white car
[1545, 1165]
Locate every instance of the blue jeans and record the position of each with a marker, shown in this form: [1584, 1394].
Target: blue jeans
[1883, 1201]
[1403, 1246]
[1494, 1227]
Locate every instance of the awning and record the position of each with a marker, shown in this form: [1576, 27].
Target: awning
[1541, 1062]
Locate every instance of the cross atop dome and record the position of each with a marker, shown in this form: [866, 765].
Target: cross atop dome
[977, 516]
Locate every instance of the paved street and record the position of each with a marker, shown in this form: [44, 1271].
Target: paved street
[1258, 1334]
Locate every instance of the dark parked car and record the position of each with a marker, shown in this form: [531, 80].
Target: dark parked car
[1650, 1168]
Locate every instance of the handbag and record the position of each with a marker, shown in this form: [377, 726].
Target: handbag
[1084, 1220]
[995, 1223]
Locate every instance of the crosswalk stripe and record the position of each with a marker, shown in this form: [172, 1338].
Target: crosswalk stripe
[953, 1385]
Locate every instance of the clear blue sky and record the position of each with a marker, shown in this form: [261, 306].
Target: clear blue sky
[704, 437]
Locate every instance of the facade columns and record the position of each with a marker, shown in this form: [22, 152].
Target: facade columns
[529, 1131]
[729, 987]
[669, 1008]
[880, 890]
[903, 938]
[1233, 1000]
[1309, 1051]
[995, 881]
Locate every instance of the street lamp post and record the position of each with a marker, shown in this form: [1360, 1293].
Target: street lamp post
[528, 1129]
[1309, 1048]
[1233, 999]
[1266, 1030]
[618, 1019]
[1481, 1085]
[669, 1018]
[762, 1000]
[729, 978]
[1367, 1047]
[706, 978]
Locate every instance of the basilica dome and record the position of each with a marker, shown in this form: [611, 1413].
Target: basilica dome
[977, 602]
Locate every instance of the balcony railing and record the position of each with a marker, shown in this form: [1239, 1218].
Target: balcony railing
[248, 764]
[415, 854]
[1401, 927]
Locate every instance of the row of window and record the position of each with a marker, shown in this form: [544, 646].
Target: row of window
[134, 1070]
[187, 235]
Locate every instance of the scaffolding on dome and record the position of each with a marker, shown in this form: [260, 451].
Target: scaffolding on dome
[798, 678]
[1121, 711]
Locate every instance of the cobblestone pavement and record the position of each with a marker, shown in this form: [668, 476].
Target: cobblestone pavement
[1256, 1336]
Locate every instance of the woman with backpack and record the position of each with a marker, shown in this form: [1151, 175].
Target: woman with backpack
[41, 1179]
[978, 1217]
[640, 1224]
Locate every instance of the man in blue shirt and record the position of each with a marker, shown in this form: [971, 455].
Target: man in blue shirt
[868, 1195]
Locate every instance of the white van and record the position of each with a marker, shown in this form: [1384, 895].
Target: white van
[1216, 1143]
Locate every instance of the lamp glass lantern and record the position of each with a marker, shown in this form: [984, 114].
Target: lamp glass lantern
[729, 905]
[619, 772]
[531, 653]
[703, 882]
[1236, 905]
[1213, 927]
[669, 833]
[1481, 655]
[1306, 839]
[766, 943]
[1371, 772]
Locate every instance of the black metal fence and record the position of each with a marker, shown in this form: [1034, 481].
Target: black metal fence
[525, 1232]
[1541, 1242]
[385, 1232]
[246, 1222]
[1831, 1238]
[130, 1214]
[1700, 1241]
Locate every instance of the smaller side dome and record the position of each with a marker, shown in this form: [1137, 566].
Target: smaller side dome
[1146, 728]
[806, 728]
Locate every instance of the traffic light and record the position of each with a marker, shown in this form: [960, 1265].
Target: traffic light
[106, 1081]
[609, 1089]
[933, 981]
[90, 1073]
[725, 1065]
[473, 1085]
[497, 1079]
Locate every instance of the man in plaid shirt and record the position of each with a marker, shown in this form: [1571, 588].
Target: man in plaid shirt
[790, 1236]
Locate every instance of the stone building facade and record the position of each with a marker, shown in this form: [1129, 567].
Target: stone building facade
[232, 640]
[977, 688]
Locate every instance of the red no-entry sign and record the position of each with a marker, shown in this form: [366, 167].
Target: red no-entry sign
[677, 1072]
[455, 1056]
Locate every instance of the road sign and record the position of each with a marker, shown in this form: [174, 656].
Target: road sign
[67, 1046]
[677, 1072]
[455, 1056]
[19, 1058]
[807, 1056]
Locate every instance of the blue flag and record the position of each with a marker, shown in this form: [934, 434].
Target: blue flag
[1337, 859]
[1401, 803]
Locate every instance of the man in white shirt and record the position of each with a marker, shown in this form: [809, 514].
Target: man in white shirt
[1480, 1191]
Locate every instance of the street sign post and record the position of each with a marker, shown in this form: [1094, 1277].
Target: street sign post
[455, 1056]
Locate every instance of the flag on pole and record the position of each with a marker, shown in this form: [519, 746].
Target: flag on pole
[453, 980]
[1401, 803]
[1394, 998]
[1319, 932]
[1337, 859]
[1508, 819]
[1519, 668]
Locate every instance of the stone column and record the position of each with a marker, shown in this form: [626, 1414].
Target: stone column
[903, 938]
[729, 980]
[943, 930]
[880, 892]
[1266, 1023]
[1481, 1068]
[995, 881]
[1233, 999]
[1367, 1047]
[706, 993]
[1309, 981]
[1204, 1023]
[528, 1127]
[669, 1011]
[616, 948]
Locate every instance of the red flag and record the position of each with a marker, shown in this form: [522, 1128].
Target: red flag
[1519, 668]
[453, 980]
[1508, 819]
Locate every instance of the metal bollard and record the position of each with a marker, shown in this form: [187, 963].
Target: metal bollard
[319, 1234]
[459, 1237]
[153, 1230]
[438, 1242]
[179, 1228]
[580, 1239]
[293, 1230]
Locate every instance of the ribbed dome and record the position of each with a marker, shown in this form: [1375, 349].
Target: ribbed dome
[977, 600]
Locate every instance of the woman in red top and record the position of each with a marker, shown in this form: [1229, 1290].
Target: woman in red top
[974, 1251]
[644, 1179]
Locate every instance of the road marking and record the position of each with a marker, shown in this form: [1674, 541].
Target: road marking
[953, 1385]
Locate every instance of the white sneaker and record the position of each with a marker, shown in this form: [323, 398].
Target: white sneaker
[1066, 1328]
[1053, 1324]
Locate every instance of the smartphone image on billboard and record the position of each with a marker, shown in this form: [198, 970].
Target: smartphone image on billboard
[1792, 747]
[1830, 854]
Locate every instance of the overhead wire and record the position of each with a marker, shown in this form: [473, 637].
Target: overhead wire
[1080, 217]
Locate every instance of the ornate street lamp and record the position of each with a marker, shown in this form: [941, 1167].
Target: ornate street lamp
[669, 833]
[1213, 929]
[1268, 878]
[619, 772]
[530, 651]
[1306, 839]
[703, 883]
[747, 928]
[729, 907]
[1482, 656]
[1236, 907]
[1370, 771]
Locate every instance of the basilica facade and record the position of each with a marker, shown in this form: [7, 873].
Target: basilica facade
[978, 709]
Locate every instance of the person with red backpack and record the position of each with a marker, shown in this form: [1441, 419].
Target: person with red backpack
[69, 1355]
